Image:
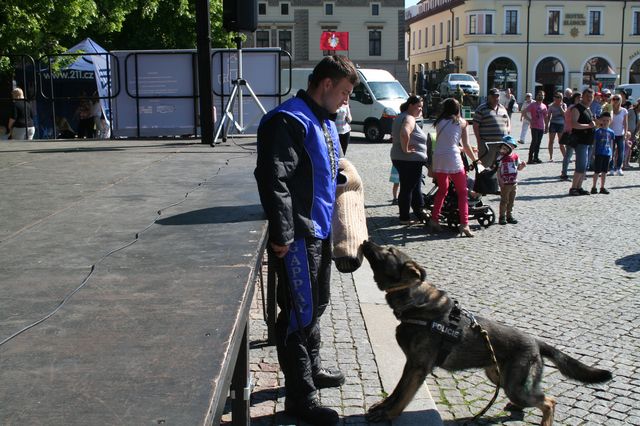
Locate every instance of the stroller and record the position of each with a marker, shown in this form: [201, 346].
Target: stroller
[449, 214]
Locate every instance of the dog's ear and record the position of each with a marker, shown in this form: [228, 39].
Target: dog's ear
[411, 271]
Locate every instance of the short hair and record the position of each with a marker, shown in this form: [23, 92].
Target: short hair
[605, 115]
[335, 67]
[575, 96]
[17, 93]
[588, 90]
[411, 100]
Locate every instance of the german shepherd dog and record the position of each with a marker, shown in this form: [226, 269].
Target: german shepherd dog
[519, 356]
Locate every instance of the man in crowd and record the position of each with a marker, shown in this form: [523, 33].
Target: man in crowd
[490, 124]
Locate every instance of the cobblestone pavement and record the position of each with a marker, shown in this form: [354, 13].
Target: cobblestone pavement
[567, 273]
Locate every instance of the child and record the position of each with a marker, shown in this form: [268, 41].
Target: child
[394, 178]
[604, 148]
[508, 164]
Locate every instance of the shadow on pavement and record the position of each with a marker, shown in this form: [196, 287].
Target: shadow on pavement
[223, 214]
[630, 263]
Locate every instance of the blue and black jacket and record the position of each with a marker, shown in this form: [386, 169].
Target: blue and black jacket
[297, 168]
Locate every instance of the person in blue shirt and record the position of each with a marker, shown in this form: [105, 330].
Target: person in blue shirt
[296, 172]
[603, 148]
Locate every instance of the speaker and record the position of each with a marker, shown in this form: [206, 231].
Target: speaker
[240, 15]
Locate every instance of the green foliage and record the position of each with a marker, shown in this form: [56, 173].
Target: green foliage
[38, 27]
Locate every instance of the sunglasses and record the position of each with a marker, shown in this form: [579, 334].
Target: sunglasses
[616, 99]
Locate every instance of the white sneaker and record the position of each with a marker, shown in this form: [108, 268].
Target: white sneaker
[611, 173]
[620, 172]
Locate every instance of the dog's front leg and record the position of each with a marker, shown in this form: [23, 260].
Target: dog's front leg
[391, 407]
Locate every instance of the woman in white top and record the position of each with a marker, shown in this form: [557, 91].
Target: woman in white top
[343, 118]
[447, 163]
[619, 126]
[524, 118]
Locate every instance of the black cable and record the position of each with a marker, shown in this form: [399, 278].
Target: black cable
[128, 244]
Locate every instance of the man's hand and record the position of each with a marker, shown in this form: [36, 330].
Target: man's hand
[278, 250]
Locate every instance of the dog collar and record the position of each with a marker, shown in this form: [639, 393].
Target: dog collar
[402, 287]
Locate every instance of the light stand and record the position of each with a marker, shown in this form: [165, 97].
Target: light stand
[236, 94]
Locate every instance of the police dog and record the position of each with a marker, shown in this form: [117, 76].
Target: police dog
[417, 304]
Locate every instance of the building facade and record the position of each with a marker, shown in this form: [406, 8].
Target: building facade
[376, 31]
[528, 45]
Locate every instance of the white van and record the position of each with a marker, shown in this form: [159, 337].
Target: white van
[631, 90]
[375, 101]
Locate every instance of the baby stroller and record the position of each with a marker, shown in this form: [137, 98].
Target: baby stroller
[449, 214]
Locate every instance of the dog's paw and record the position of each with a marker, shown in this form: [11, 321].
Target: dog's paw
[378, 412]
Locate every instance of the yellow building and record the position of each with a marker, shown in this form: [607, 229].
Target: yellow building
[528, 45]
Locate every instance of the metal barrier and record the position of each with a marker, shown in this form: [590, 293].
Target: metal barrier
[28, 78]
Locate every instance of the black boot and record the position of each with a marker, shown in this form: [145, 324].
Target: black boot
[326, 378]
[311, 411]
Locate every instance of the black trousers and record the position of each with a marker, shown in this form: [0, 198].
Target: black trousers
[297, 325]
[344, 141]
[536, 140]
[410, 195]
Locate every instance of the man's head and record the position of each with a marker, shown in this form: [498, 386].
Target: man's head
[605, 120]
[568, 92]
[557, 97]
[332, 82]
[494, 97]
[540, 96]
[587, 96]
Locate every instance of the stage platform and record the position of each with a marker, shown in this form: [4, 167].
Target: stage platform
[161, 242]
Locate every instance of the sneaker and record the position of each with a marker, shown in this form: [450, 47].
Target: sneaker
[327, 378]
[538, 161]
[574, 191]
[604, 191]
[311, 411]
[611, 173]
[594, 190]
[521, 142]
[394, 202]
[583, 192]
[512, 220]
[620, 173]
[408, 222]
[564, 177]
[502, 221]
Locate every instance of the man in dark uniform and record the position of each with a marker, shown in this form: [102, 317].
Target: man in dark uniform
[297, 167]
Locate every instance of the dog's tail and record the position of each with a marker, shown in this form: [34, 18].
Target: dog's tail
[573, 368]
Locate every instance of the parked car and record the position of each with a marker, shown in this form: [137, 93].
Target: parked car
[467, 83]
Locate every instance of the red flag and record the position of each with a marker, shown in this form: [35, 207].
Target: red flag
[334, 41]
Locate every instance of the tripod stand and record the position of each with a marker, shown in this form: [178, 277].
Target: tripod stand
[236, 94]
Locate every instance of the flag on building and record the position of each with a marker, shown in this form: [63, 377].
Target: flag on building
[334, 40]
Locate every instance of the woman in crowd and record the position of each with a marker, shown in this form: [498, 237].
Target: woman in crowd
[20, 126]
[447, 163]
[568, 148]
[556, 122]
[619, 125]
[582, 129]
[343, 118]
[528, 98]
[408, 155]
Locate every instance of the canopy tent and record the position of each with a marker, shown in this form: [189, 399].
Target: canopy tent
[96, 59]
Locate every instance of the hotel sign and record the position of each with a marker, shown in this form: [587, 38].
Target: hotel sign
[574, 19]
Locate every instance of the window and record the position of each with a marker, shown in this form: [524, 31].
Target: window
[375, 9]
[262, 8]
[328, 9]
[595, 22]
[554, 22]
[375, 43]
[488, 24]
[433, 65]
[511, 22]
[419, 39]
[413, 42]
[262, 38]
[284, 40]
[284, 8]
[433, 35]
[448, 31]
[426, 37]
[636, 23]
[441, 25]
[457, 28]
[472, 24]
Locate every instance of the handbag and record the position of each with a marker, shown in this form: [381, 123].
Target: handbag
[565, 139]
[486, 181]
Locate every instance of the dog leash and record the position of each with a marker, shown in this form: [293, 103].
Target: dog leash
[485, 335]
